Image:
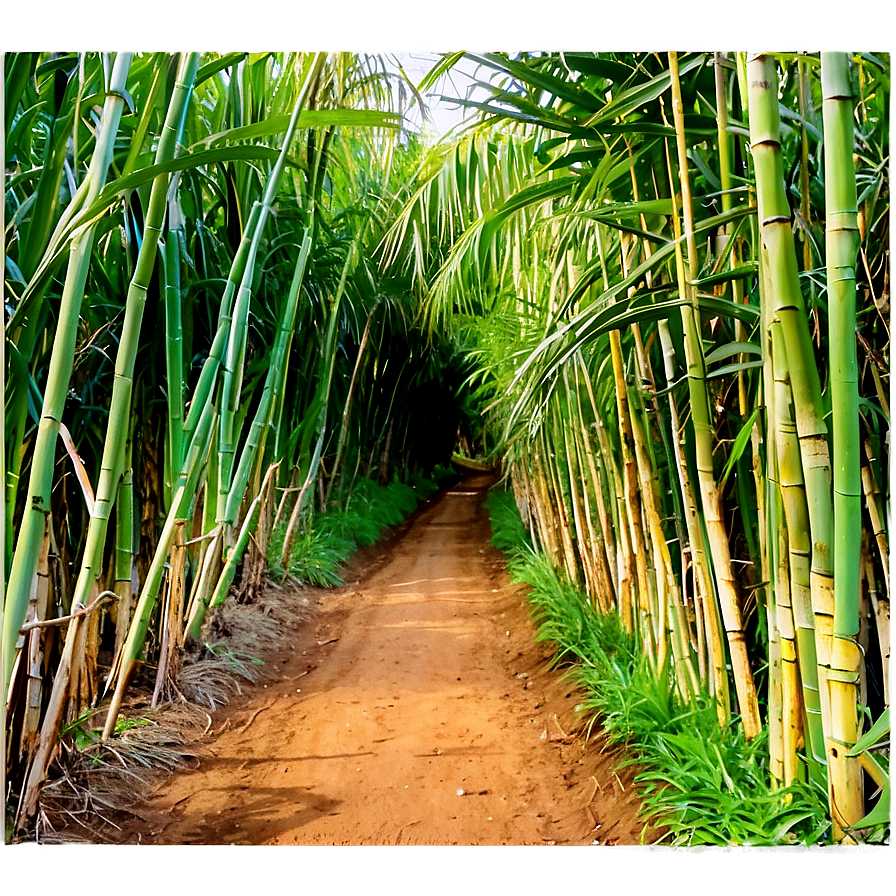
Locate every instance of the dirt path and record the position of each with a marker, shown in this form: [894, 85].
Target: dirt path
[415, 708]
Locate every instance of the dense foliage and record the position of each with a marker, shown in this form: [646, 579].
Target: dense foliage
[240, 297]
[198, 342]
[658, 262]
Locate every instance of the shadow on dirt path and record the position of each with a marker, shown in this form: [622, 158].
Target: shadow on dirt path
[415, 708]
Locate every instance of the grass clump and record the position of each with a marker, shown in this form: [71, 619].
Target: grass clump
[705, 784]
[509, 534]
[327, 540]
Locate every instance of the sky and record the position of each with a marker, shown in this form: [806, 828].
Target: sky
[445, 115]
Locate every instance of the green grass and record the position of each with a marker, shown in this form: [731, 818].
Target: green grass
[327, 540]
[705, 784]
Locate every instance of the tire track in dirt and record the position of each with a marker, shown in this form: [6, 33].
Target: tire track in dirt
[416, 708]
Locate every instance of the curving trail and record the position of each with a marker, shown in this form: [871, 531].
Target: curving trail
[417, 683]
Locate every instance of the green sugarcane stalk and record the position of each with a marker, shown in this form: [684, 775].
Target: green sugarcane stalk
[271, 392]
[174, 359]
[208, 377]
[776, 563]
[321, 404]
[795, 603]
[703, 429]
[260, 425]
[786, 304]
[235, 554]
[37, 506]
[120, 407]
[842, 244]
[280, 441]
[782, 301]
[125, 551]
[231, 385]
[180, 507]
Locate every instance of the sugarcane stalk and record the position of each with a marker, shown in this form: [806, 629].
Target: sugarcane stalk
[174, 360]
[180, 506]
[37, 505]
[260, 424]
[318, 412]
[235, 554]
[703, 429]
[231, 385]
[798, 631]
[271, 392]
[120, 408]
[874, 504]
[842, 243]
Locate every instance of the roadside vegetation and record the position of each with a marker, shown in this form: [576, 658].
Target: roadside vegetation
[243, 304]
[705, 785]
[673, 271]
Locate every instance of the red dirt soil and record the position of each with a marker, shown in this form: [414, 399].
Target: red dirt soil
[415, 707]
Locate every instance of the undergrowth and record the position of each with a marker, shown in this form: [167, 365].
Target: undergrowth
[704, 784]
[327, 540]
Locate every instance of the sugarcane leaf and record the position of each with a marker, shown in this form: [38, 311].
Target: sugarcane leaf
[216, 65]
[14, 272]
[703, 168]
[732, 348]
[532, 195]
[739, 444]
[874, 734]
[880, 814]
[589, 64]
[22, 126]
[727, 308]
[66, 63]
[308, 118]
[734, 368]
[875, 408]
[721, 306]
[738, 273]
[627, 101]
[531, 76]
[575, 157]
